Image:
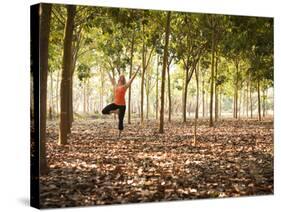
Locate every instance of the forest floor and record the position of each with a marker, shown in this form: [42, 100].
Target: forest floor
[235, 158]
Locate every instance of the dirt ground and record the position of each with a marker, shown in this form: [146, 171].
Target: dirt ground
[235, 158]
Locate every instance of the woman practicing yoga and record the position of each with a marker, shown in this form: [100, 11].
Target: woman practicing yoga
[119, 104]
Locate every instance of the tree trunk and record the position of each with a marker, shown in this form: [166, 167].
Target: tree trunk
[240, 102]
[263, 102]
[66, 73]
[102, 89]
[57, 92]
[259, 100]
[88, 95]
[70, 105]
[203, 97]
[216, 90]
[51, 97]
[75, 50]
[236, 90]
[147, 103]
[143, 71]
[220, 103]
[196, 108]
[212, 79]
[234, 104]
[157, 97]
[197, 71]
[44, 32]
[247, 98]
[251, 101]
[130, 75]
[185, 95]
[169, 92]
[165, 58]
[84, 98]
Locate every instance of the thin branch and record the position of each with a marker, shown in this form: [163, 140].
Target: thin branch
[59, 14]
[58, 18]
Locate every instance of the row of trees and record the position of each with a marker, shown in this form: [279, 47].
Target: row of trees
[227, 56]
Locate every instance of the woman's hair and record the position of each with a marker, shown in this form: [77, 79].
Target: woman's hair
[122, 80]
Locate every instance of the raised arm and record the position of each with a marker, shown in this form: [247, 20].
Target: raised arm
[111, 79]
[128, 84]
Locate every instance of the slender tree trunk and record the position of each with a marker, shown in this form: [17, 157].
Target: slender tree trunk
[234, 104]
[185, 95]
[44, 32]
[263, 102]
[165, 58]
[203, 97]
[143, 72]
[157, 97]
[169, 92]
[88, 96]
[247, 99]
[212, 79]
[130, 75]
[236, 90]
[240, 102]
[84, 97]
[66, 69]
[70, 105]
[206, 106]
[220, 103]
[259, 100]
[251, 101]
[196, 108]
[216, 89]
[51, 96]
[197, 71]
[147, 104]
[75, 50]
[102, 89]
[57, 92]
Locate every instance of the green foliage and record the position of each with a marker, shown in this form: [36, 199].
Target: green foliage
[83, 72]
[103, 38]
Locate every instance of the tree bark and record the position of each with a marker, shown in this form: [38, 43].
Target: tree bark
[165, 58]
[157, 97]
[247, 97]
[263, 102]
[185, 95]
[51, 103]
[169, 92]
[251, 101]
[130, 75]
[66, 74]
[212, 79]
[236, 90]
[44, 32]
[196, 108]
[143, 71]
[259, 100]
[101, 88]
[197, 71]
[203, 96]
[216, 89]
[220, 103]
[57, 92]
[147, 103]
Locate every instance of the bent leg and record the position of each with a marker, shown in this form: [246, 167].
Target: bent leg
[107, 109]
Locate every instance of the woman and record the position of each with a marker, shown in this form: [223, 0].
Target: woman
[119, 105]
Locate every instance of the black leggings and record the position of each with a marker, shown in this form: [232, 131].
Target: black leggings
[121, 113]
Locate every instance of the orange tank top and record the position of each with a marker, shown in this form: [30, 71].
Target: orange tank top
[119, 96]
